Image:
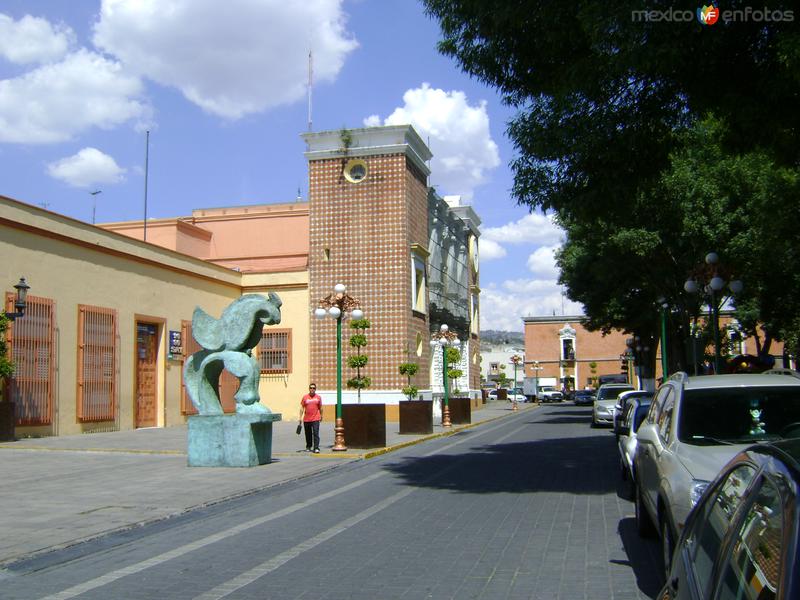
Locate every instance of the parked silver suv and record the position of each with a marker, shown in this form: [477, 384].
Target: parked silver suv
[694, 427]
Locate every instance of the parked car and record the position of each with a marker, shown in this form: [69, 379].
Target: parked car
[741, 540]
[622, 402]
[605, 401]
[695, 425]
[516, 395]
[635, 412]
[548, 393]
[511, 395]
[583, 397]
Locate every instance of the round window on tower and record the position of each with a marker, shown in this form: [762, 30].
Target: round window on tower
[355, 171]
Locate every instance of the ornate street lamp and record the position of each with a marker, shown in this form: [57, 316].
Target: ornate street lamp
[663, 305]
[445, 339]
[536, 367]
[339, 305]
[515, 360]
[19, 303]
[712, 272]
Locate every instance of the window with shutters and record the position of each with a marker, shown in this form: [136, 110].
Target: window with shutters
[97, 363]
[32, 349]
[275, 351]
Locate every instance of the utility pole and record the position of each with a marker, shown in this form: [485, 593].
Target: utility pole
[94, 202]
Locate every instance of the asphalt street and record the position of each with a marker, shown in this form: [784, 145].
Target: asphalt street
[528, 506]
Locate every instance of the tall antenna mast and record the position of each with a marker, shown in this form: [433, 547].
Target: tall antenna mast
[310, 84]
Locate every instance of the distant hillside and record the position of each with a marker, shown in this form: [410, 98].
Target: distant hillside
[493, 336]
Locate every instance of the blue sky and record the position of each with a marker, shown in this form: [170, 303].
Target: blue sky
[221, 86]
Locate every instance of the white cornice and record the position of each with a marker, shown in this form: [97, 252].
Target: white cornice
[369, 141]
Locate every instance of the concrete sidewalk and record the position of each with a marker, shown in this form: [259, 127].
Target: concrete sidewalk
[58, 491]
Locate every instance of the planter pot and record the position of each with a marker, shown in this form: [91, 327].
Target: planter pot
[7, 422]
[460, 411]
[416, 416]
[364, 425]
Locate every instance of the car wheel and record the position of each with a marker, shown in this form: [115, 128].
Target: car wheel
[644, 526]
[667, 545]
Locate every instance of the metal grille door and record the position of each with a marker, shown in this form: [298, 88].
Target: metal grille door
[97, 363]
[146, 353]
[32, 346]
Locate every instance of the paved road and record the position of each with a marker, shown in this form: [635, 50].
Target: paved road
[523, 507]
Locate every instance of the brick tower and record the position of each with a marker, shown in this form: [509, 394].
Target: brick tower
[368, 207]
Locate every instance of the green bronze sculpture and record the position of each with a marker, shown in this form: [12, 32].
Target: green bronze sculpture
[242, 439]
[228, 343]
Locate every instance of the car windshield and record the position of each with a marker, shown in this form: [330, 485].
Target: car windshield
[611, 393]
[739, 415]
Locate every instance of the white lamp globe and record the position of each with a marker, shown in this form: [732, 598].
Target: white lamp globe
[320, 313]
[456, 342]
[712, 258]
[717, 283]
[690, 286]
[443, 328]
[357, 314]
[334, 312]
[442, 342]
[339, 288]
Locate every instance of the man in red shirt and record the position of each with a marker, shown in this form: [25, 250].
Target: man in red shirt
[310, 416]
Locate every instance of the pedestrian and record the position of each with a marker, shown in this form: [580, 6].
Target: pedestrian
[310, 417]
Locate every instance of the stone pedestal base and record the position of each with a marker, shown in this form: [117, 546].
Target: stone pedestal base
[238, 440]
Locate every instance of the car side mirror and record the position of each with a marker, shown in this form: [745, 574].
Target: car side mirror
[646, 434]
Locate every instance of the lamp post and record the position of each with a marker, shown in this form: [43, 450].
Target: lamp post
[94, 202]
[536, 367]
[713, 271]
[19, 303]
[337, 306]
[515, 360]
[663, 305]
[445, 339]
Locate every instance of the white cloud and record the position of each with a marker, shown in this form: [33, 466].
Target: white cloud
[230, 58]
[33, 40]
[534, 228]
[504, 307]
[55, 102]
[542, 262]
[87, 168]
[491, 250]
[372, 121]
[462, 145]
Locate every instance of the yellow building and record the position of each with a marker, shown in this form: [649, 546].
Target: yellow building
[102, 342]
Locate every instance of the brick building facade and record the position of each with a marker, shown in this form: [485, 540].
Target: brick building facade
[567, 354]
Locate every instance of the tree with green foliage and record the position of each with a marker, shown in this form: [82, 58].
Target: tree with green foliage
[6, 366]
[409, 369]
[453, 373]
[358, 360]
[654, 142]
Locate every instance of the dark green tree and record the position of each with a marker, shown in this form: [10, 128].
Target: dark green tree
[358, 360]
[613, 114]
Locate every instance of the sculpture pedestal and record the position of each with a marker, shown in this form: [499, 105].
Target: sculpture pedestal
[237, 440]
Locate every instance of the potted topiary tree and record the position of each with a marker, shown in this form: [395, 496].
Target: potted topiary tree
[416, 416]
[460, 406]
[365, 424]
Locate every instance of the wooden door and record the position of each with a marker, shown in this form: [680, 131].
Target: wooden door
[146, 352]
